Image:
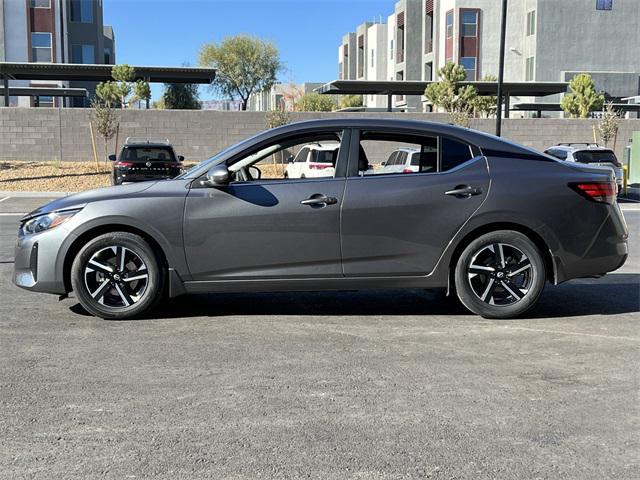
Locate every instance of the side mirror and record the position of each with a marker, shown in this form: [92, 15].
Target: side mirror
[180, 158]
[383, 164]
[218, 175]
[255, 173]
[290, 159]
[112, 158]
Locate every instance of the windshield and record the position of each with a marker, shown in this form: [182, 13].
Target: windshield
[596, 156]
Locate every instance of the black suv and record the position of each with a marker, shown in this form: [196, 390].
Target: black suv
[142, 160]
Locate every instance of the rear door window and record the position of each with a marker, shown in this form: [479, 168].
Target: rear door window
[454, 153]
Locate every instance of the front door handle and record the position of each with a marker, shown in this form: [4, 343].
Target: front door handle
[464, 191]
[318, 200]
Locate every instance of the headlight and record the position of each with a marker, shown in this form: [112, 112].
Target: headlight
[46, 222]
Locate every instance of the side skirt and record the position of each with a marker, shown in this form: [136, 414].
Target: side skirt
[312, 284]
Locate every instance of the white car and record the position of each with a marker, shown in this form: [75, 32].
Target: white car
[590, 153]
[407, 160]
[313, 161]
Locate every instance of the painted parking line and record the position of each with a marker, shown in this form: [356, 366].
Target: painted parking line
[12, 214]
[3, 199]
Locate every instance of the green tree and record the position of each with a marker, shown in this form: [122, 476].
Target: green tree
[314, 102]
[181, 96]
[350, 101]
[485, 105]
[582, 98]
[459, 101]
[244, 65]
[118, 91]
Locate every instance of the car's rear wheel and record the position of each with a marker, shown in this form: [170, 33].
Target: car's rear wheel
[117, 276]
[500, 275]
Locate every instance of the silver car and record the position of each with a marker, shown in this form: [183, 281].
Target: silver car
[589, 153]
[483, 223]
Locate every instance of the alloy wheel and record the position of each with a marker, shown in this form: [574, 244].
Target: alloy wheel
[500, 274]
[116, 277]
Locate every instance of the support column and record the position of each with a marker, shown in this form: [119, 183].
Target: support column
[507, 106]
[389, 102]
[5, 81]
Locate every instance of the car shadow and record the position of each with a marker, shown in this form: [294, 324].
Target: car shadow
[610, 295]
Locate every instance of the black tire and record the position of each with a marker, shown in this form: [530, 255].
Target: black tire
[492, 287]
[303, 176]
[121, 292]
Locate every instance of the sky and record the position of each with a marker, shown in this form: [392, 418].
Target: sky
[306, 32]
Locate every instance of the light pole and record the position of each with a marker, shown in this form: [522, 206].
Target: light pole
[503, 31]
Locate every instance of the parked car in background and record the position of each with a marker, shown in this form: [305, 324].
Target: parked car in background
[409, 160]
[313, 160]
[485, 224]
[141, 160]
[591, 154]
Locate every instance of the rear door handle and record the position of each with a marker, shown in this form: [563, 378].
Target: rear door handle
[464, 191]
[318, 199]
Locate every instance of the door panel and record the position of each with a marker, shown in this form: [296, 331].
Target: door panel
[400, 224]
[256, 230]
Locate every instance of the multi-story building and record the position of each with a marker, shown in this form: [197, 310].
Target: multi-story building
[280, 96]
[546, 40]
[54, 31]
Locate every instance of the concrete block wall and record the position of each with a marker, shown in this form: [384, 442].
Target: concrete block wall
[46, 134]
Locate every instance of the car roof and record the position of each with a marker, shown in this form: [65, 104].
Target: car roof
[573, 147]
[323, 146]
[407, 149]
[146, 145]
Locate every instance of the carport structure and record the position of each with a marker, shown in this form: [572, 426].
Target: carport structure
[96, 73]
[391, 88]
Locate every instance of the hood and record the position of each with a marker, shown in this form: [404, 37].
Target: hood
[79, 200]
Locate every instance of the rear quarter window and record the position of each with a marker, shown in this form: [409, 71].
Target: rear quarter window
[454, 153]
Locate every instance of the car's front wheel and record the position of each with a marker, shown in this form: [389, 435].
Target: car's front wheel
[117, 276]
[500, 275]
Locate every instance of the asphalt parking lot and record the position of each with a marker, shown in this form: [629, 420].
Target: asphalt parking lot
[363, 385]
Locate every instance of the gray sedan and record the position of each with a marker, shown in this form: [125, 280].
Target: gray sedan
[479, 217]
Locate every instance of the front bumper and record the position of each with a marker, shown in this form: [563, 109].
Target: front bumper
[38, 264]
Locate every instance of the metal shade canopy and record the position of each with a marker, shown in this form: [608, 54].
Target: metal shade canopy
[45, 92]
[404, 87]
[102, 73]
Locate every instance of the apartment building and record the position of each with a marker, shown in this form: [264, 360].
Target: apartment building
[546, 40]
[54, 31]
[280, 96]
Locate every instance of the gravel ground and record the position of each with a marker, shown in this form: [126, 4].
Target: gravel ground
[333, 385]
[70, 176]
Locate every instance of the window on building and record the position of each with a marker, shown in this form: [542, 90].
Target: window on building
[340, 70]
[373, 53]
[428, 35]
[400, 78]
[82, 11]
[400, 40]
[469, 65]
[40, 3]
[41, 47]
[43, 101]
[449, 29]
[530, 69]
[361, 54]
[107, 56]
[391, 49]
[428, 71]
[82, 54]
[531, 23]
[469, 24]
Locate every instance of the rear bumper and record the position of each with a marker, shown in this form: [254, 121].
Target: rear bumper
[607, 252]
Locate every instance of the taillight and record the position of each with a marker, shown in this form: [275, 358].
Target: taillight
[124, 164]
[597, 191]
[407, 170]
[319, 166]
